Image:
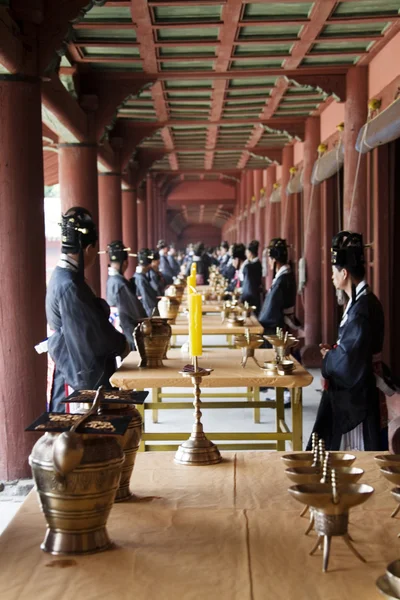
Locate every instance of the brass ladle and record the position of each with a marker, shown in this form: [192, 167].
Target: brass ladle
[68, 448]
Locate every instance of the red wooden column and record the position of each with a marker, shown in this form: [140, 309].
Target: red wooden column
[250, 216]
[270, 214]
[356, 110]
[110, 218]
[312, 247]
[287, 220]
[129, 226]
[141, 221]
[23, 275]
[328, 226]
[150, 211]
[77, 168]
[257, 214]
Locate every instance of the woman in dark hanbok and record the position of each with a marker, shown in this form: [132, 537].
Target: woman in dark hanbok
[120, 293]
[348, 416]
[84, 344]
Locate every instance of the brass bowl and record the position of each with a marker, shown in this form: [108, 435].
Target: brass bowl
[319, 496]
[388, 460]
[285, 367]
[393, 576]
[302, 475]
[305, 459]
[384, 586]
[392, 474]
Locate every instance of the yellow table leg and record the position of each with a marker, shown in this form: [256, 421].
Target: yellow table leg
[155, 395]
[229, 340]
[280, 415]
[257, 411]
[140, 408]
[297, 418]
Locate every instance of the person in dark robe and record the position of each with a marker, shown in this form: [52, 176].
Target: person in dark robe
[238, 254]
[120, 293]
[252, 277]
[156, 278]
[348, 417]
[279, 303]
[229, 270]
[224, 257]
[146, 294]
[165, 266]
[84, 344]
[203, 263]
[278, 307]
[173, 263]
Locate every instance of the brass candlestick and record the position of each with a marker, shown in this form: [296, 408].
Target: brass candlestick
[198, 449]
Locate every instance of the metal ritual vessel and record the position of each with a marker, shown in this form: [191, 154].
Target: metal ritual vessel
[331, 503]
[248, 342]
[179, 287]
[120, 403]
[281, 343]
[198, 450]
[76, 503]
[392, 474]
[168, 307]
[247, 310]
[388, 460]
[152, 337]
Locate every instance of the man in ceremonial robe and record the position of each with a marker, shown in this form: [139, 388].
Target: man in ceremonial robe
[349, 416]
[84, 344]
[147, 295]
[252, 277]
[120, 293]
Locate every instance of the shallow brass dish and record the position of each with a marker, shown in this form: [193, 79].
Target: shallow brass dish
[388, 460]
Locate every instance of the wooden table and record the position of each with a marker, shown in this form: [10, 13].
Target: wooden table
[224, 532]
[212, 325]
[208, 307]
[227, 374]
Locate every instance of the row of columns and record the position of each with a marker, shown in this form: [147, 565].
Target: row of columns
[135, 216]
[284, 219]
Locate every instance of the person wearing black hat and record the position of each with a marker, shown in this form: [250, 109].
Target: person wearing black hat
[147, 295]
[224, 257]
[84, 344]
[156, 278]
[203, 263]
[165, 266]
[238, 254]
[348, 417]
[120, 294]
[252, 277]
[173, 263]
[280, 300]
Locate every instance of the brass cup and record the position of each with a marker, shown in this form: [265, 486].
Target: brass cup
[305, 459]
[301, 475]
[393, 576]
[319, 496]
[392, 474]
[388, 460]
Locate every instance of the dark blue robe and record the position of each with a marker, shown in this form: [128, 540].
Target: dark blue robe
[280, 298]
[166, 270]
[252, 284]
[173, 263]
[157, 282]
[119, 293]
[351, 397]
[147, 295]
[84, 343]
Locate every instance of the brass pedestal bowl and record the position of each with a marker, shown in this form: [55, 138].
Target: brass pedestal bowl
[304, 475]
[331, 505]
[248, 342]
[392, 474]
[305, 459]
[387, 460]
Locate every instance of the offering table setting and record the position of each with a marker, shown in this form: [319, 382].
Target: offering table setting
[229, 531]
[213, 325]
[227, 374]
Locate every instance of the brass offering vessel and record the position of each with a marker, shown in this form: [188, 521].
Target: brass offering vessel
[168, 307]
[281, 343]
[331, 503]
[152, 338]
[198, 450]
[392, 474]
[122, 403]
[77, 472]
[248, 342]
[305, 459]
[388, 460]
[247, 310]
[179, 288]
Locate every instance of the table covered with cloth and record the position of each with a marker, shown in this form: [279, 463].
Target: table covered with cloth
[224, 532]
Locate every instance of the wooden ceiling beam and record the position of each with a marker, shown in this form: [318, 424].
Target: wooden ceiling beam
[320, 13]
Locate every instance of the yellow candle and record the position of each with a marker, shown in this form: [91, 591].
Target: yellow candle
[195, 325]
[193, 269]
[191, 283]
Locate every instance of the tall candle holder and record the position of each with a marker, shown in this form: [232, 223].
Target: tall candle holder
[198, 449]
